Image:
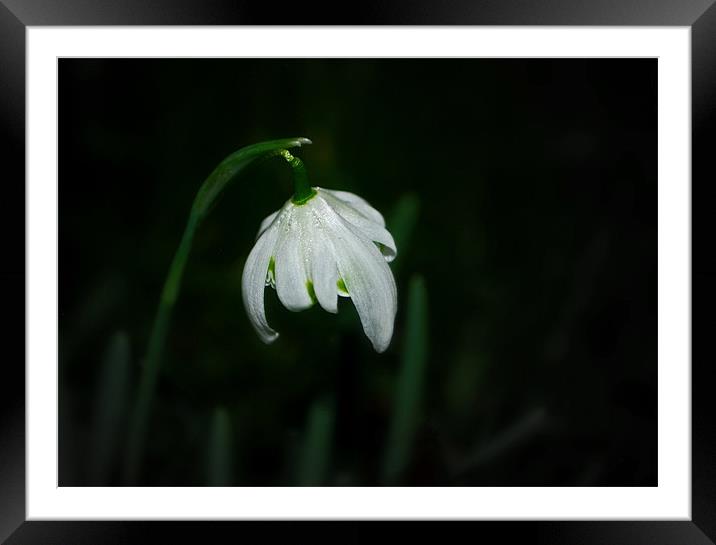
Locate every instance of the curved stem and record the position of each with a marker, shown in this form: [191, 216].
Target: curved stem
[206, 197]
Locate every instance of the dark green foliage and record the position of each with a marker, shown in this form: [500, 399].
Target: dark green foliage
[220, 451]
[315, 455]
[110, 411]
[407, 409]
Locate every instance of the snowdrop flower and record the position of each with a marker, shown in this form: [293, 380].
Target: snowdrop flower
[313, 249]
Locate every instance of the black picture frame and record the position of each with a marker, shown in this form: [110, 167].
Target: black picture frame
[16, 15]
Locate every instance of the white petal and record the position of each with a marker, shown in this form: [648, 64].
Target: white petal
[369, 281]
[324, 272]
[291, 275]
[268, 220]
[359, 203]
[253, 282]
[365, 225]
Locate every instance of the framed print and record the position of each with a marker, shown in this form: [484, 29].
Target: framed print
[438, 271]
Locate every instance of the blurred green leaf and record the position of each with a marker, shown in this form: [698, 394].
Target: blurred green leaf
[401, 224]
[110, 409]
[407, 407]
[316, 450]
[220, 454]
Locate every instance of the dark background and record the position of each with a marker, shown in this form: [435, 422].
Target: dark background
[523, 193]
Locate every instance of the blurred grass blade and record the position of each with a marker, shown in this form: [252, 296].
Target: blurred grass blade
[406, 409]
[208, 193]
[109, 410]
[316, 450]
[220, 454]
[401, 224]
[510, 439]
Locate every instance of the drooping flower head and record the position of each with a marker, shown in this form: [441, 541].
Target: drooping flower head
[314, 249]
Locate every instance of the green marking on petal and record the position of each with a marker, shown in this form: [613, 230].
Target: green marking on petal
[342, 286]
[271, 273]
[311, 292]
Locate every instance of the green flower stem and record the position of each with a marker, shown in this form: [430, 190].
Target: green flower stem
[303, 191]
[206, 197]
